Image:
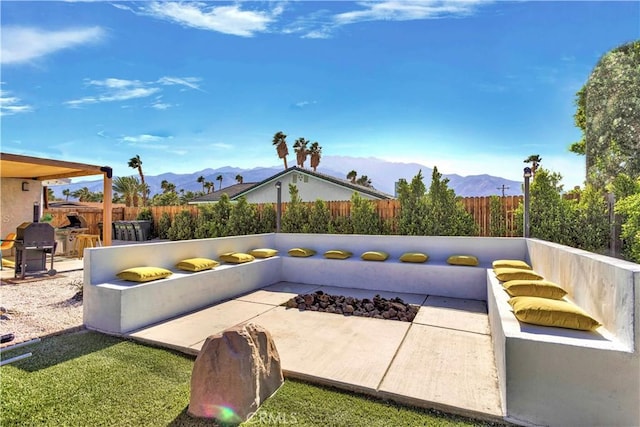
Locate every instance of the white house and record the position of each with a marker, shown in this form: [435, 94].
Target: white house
[311, 187]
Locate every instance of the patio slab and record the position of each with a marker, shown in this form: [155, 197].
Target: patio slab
[334, 349]
[452, 370]
[454, 313]
[187, 333]
[278, 293]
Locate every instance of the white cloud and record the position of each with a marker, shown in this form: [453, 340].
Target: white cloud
[190, 82]
[143, 139]
[114, 90]
[10, 105]
[303, 104]
[224, 19]
[25, 44]
[407, 10]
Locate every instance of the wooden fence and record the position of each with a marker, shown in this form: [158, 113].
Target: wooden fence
[388, 210]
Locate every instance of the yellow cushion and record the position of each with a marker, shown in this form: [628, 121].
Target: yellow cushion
[506, 274]
[469, 260]
[374, 256]
[8, 263]
[236, 257]
[301, 252]
[414, 257]
[197, 264]
[263, 253]
[144, 274]
[534, 288]
[337, 254]
[551, 312]
[511, 263]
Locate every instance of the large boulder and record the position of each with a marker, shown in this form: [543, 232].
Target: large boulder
[234, 373]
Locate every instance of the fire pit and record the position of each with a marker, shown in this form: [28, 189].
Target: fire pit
[377, 307]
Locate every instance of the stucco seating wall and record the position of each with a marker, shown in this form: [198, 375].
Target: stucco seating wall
[557, 376]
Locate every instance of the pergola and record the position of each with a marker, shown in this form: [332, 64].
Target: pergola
[34, 168]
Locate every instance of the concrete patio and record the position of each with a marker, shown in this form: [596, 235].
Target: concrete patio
[443, 359]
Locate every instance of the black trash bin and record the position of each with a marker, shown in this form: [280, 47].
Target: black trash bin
[130, 231]
[143, 230]
[121, 230]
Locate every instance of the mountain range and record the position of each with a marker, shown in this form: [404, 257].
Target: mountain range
[383, 175]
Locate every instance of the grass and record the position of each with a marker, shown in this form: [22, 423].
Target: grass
[90, 379]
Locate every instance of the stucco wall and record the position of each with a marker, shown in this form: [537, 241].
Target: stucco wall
[16, 206]
[310, 189]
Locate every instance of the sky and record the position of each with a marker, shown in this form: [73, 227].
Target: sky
[469, 86]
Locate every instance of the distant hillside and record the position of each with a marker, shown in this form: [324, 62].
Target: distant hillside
[383, 175]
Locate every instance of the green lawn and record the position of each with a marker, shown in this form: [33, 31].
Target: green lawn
[90, 379]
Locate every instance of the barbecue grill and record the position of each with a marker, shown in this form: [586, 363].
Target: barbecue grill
[67, 234]
[34, 240]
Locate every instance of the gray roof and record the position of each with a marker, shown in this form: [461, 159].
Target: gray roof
[231, 191]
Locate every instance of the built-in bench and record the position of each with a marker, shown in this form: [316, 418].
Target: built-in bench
[547, 376]
[556, 376]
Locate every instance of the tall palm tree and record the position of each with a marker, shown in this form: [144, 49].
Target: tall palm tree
[351, 176]
[201, 179]
[300, 147]
[167, 187]
[219, 178]
[239, 179]
[280, 141]
[136, 163]
[535, 161]
[66, 192]
[316, 152]
[208, 185]
[83, 194]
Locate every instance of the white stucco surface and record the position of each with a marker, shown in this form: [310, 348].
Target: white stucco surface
[17, 205]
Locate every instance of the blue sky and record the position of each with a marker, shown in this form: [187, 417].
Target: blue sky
[469, 86]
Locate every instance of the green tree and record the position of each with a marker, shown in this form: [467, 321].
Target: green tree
[136, 163]
[535, 160]
[629, 209]
[243, 219]
[364, 181]
[551, 217]
[300, 148]
[447, 216]
[201, 180]
[219, 178]
[497, 225]
[239, 179]
[319, 218]
[267, 219]
[83, 194]
[364, 218]
[204, 222]
[315, 151]
[612, 115]
[129, 187]
[295, 219]
[351, 176]
[164, 224]
[182, 226]
[66, 193]
[412, 219]
[592, 221]
[280, 142]
[166, 199]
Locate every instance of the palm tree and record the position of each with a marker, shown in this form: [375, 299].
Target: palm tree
[83, 194]
[219, 178]
[364, 181]
[66, 192]
[280, 141]
[535, 161]
[300, 147]
[129, 187]
[208, 185]
[201, 180]
[239, 179]
[351, 176]
[167, 187]
[136, 163]
[316, 152]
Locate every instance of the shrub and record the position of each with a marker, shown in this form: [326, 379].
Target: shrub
[296, 218]
[243, 219]
[319, 218]
[164, 223]
[267, 222]
[364, 218]
[591, 227]
[629, 209]
[182, 227]
[497, 224]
